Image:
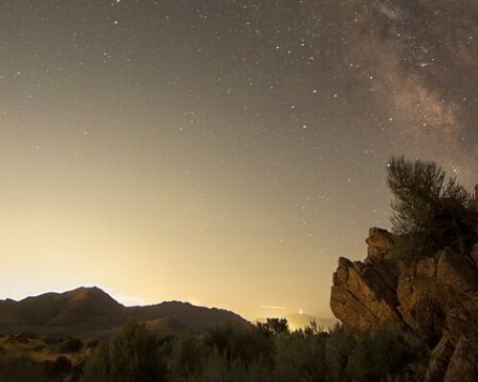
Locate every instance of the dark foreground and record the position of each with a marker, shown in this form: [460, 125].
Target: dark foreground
[264, 353]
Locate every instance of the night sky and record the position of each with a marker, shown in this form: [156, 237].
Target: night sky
[221, 152]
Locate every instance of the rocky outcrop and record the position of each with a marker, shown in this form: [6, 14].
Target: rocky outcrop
[434, 299]
[362, 294]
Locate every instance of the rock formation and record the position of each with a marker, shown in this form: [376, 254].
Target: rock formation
[433, 298]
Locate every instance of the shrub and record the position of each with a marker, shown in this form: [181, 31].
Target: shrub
[131, 356]
[300, 357]
[187, 356]
[243, 343]
[340, 346]
[219, 369]
[228, 353]
[70, 345]
[377, 354]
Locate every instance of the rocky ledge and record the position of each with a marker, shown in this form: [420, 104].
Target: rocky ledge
[434, 299]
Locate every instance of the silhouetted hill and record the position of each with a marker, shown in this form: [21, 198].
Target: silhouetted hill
[86, 312]
[186, 314]
[83, 307]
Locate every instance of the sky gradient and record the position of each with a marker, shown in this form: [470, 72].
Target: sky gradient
[220, 152]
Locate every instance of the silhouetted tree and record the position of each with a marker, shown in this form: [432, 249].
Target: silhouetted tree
[274, 327]
[431, 210]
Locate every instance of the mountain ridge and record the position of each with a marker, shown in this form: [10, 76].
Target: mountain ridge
[90, 311]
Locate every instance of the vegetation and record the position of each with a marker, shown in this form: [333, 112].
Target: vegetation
[251, 354]
[226, 354]
[131, 356]
[70, 345]
[21, 369]
[274, 326]
[377, 354]
[431, 211]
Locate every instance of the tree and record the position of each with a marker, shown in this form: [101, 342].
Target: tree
[274, 327]
[431, 210]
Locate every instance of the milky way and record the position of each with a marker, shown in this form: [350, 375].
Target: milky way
[218, 151]
[419, 59]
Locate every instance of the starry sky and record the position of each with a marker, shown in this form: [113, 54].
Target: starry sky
[222, 152]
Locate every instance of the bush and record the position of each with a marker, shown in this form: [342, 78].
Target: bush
[229, 353]
[70, 345]
[340, 346]
[300, 357]
[187, 356]
[238, 342]
[219, 369]
[377, 354]
[131, 356]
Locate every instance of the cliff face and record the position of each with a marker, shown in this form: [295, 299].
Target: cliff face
[434, 298]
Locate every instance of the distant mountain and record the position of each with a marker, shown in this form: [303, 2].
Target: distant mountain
[90, 312]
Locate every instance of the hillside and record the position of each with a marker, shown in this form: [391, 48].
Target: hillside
[86, 312]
